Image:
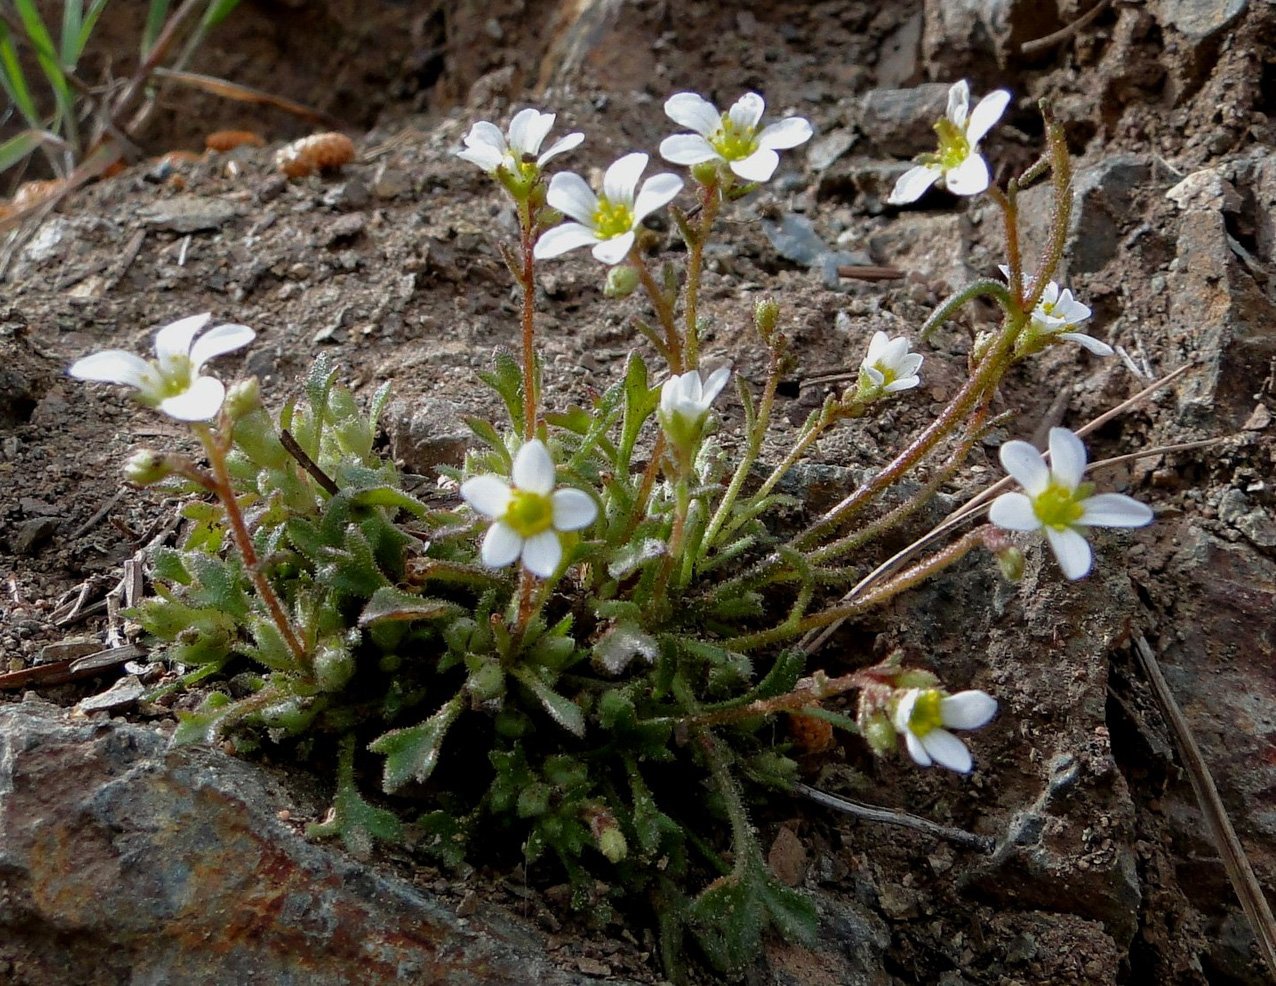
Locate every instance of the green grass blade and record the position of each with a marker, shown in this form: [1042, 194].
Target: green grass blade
[21, 146]
[218, 11]
[14, 82]
[72, 22]
[156, 15]
[46, 54]
[86, 32]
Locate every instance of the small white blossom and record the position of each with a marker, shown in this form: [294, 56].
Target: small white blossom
[1056, 316]
[530, 514]
[924, 716]
[684, 404]
[1057, 502]
[518, 151]
[732, 137]
[957, 163]
[606, 221]
[171, 381]
[888, 367]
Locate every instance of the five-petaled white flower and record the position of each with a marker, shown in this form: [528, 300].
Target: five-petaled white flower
[924, 716]
[958, 162]
[684, 405]
[732, 137]
[606, 221]
[529, 515]
[888, 367]
[171, 381]
[1056, 501]
[1057, 314]
[517, 153]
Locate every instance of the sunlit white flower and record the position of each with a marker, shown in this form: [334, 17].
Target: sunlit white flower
[1056, 316]
[606, 221]
[171, 381]
[957, 163]
[517, 152]
[530, 514]
[684, 404]
[924, 716]
[732, 137]
[888, 367]
[1057, 502]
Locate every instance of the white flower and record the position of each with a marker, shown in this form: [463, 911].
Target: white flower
[957, 163]
[1057, 502]
[684, 404]
[888, 367]
[171, 381]
[519, 152]
[1057, 314]
[732, 137]
[607, 221]
[922, 715]
[529, 515]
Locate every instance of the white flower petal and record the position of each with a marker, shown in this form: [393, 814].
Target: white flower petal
[486, 135]
[876, 345]
[691, 110]
[487, 158]
[1025, 464]
[557, 241]
[113, 366]
[958, 102]
[1071, 550]
[904, 709]
[489, 495]
[533, 468]
[916, 750]
[758, 166]
[615, 250]
[1088, 342]
[985, 115]
[1070, 309]
[874, 374]
[217, 341]
[657, 192]
[541, 554]
[687, 149]
[968, 178]
[560, 146]
[947, 750]
[913, 183]
[1114, 510]
[198, 402]
[175, 338]
[1067, 457]
[746, 111]
[573, 509]
[501, 545]
[528, 131]
[967, 710]
[621, 180]
[1013, 511]
[713, 386]
[786, 133]
[570, 194]
[901, 383]
[909, 364]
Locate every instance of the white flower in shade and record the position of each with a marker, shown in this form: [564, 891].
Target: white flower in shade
[957, 163]
[732, 137]
[171, 381]
[529, 515]
[607, 221]
[1056, 316]
[684, 404]
[924, 717]
[518, 151]
[888, 367]
[1056, 501]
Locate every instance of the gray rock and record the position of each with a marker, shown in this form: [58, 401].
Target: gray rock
[189, 213]
[155, 866]
[426, 434]
[29, 535]
[961, 37]
[795, 239]
[827, 148]
[901, 122]
[1199, 19]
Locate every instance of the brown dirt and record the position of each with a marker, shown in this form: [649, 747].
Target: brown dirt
[391, 265]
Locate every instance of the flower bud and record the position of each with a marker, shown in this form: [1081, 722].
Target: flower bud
[879, 733]
[622, 280]
[146, 467]
[334, 665]
[612, 844]
[1010, 561]
[706, 172]
[243, 398]
[765, 316]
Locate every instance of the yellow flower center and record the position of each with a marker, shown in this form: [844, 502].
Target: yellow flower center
[954, 148]
[926, 716]
[174, 374]
[732, 142]
[529, 513]
[612, 219]
[1059, 507]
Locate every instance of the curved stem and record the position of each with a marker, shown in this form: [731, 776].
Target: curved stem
[664, 311]
[710, 199]
[531, 399]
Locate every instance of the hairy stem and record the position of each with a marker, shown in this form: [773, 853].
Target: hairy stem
[664, 311]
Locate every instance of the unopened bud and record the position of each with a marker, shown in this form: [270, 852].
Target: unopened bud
[334, 665]
[879, 733]
[765, 316]
[706, 172]
[622, 280]
[243, 398]
[611, 840]
[146, 466]
[1010, 561]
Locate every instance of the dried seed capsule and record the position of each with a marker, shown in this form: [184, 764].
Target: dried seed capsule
[318, 152]
[811, 735]
[228, 140]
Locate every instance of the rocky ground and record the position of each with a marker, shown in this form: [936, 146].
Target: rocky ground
[123, 862]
